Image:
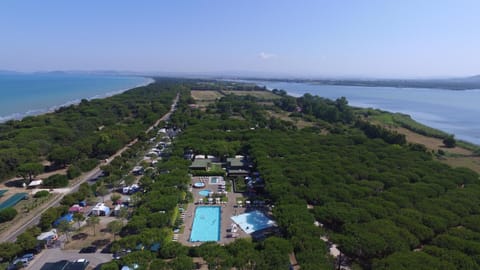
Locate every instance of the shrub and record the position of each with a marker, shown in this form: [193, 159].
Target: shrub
[56, 180]
[41, 193]
[73, 171]
[87, 164]
[7, 214]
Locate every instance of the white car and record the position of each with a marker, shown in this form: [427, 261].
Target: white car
[85, 261]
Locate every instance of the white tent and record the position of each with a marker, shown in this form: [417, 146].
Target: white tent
[35, 183]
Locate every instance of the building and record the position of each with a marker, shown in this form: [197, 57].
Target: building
[200, 164]
[237, 166]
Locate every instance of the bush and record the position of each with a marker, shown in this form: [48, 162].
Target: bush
[449, 141]
[56, 181]
[73, 171]
[41, 193]
[7, 214]
[87, 164]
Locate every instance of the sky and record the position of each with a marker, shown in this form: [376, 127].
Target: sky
[302, 38]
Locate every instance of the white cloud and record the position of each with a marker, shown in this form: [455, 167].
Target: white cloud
[266, 56]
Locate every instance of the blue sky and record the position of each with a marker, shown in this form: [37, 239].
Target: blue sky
[355, 38]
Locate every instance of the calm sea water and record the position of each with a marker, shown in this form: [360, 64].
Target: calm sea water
[31, 94]
[455, 112]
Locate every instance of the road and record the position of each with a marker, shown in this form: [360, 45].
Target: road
[10, 235]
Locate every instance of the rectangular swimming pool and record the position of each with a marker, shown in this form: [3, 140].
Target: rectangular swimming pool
[206, 224]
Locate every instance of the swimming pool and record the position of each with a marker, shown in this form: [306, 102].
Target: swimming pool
[206, 224]
[213, 180]
[253, 221]
[199, 185]
[204, 192]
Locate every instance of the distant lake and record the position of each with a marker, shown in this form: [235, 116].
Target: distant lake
[31, 94]
[452, 111]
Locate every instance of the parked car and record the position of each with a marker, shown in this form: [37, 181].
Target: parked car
[23, 261]
[28, 256]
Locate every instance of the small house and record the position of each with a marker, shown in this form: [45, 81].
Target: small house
[237, 166]
[200, 164]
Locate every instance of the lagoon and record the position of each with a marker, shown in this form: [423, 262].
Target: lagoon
[453, 111]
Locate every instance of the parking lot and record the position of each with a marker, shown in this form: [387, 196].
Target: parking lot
[56, 254]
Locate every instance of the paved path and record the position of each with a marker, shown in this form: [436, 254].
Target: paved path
[32, 218]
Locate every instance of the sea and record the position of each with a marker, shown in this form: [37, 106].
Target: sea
[32, 94]
[453, 111]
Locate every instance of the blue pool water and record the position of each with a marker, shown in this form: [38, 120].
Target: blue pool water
[204, 192]
[198, 185]
[213, 180]
[206, 224]
[253, 221]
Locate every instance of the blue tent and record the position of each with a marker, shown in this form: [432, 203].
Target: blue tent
[67, 217]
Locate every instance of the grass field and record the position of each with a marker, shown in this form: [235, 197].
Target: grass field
[258, 94]
[206, 95]
[299, 123]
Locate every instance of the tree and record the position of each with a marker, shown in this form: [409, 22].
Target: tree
[78, 217]
[182, 263]
[26, 240]
[115, 197]
[9, 250]
[56, 181]
[65, 227]
[449, 141]
[7, 214]
[102, 191]
[115, 227]
[93, 221]
[123, 214]
[109, 266]
[73, 171]
[30, 170]
[129, 180]
[62, 156]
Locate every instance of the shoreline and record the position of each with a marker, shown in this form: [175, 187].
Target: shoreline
[35, 112]
[459, 136]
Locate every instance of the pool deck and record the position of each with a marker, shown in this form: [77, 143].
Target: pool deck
[228, 210]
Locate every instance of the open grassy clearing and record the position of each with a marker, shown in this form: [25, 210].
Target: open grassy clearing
[257, 94]
[431, 143]
[206, 95]
[455, 157]
[472, 163]
[299, 123]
